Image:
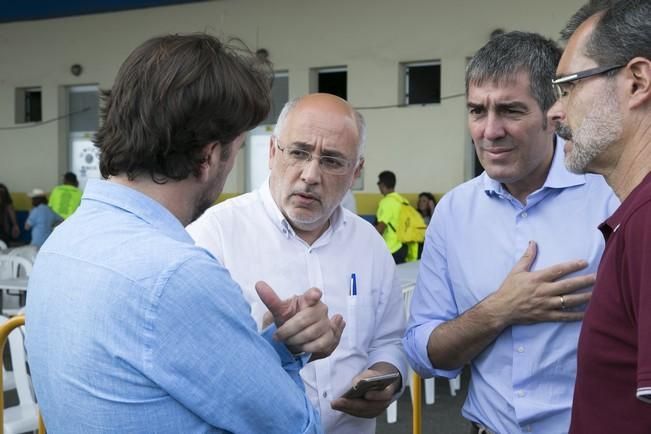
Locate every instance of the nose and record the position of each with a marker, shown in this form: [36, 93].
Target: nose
[311, 172]
[494, 127]
[556, 113]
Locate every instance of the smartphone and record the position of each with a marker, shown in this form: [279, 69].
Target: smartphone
[371, 383]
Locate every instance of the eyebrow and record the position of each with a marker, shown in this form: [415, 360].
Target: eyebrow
[512, 105]
[501, 105]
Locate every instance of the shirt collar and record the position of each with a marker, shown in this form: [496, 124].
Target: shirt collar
[337, 219]
[138, 204]
[640, 195]
[558, 177]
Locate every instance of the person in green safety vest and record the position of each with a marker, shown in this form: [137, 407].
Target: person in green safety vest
[388, 215]
[65, 198]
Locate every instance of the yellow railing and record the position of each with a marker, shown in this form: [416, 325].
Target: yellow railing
[416, 393]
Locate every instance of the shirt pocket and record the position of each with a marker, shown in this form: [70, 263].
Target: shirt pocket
[360, 322]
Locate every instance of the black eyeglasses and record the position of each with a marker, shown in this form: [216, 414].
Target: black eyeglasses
[296, 156]
[560, 90]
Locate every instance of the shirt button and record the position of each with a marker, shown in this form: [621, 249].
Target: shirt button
[521, 393]
[524, 214]
[520, 349]
[325, 394]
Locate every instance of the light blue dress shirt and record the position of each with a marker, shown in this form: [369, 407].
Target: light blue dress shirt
[41, 220]
[524, 380]
[133, 329]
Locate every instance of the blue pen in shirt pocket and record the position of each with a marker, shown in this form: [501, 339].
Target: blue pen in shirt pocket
[351, 321]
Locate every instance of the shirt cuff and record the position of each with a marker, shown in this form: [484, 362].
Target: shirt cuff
[415, 343]
[290, 362]
[398, 360]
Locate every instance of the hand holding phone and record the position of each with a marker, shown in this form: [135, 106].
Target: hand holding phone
[364, 385]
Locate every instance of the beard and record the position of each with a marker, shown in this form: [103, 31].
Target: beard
[210, 193]
[600, 128]
[202, 204]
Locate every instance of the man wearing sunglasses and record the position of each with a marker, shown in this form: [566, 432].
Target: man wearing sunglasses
[604, 111]
[293, 232]
[508, 258]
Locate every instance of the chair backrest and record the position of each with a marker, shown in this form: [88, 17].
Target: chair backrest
[3, 246]
[8, 325]
[28, 252]
[12, 266]
[19, 362]
[407, 293]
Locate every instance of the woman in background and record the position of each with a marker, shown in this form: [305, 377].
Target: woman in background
[426, 204]
[9, 229]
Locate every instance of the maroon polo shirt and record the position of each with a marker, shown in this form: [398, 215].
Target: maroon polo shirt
[613, 383]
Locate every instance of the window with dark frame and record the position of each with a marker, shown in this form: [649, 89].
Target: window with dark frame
[28, 105]
[334, 81]
[422, 82]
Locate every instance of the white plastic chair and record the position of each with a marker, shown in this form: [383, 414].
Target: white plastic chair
[430, 395]
[24, 416]
[13, 267]
[9, 381]
[28, 252]
[3, 246]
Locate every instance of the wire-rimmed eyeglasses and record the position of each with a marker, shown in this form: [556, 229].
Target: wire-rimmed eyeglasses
[560, 83]
[296, 156]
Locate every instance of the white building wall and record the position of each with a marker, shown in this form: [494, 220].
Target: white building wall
[426, 146]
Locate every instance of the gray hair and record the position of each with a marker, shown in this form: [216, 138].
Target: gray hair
[359, 120]
[506, 55]
[622, 33]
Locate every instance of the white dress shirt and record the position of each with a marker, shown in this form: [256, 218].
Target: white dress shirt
[255, 242]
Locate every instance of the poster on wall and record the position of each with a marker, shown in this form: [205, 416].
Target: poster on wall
[85, 157]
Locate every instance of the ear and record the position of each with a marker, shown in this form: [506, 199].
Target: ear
[358, 169]
[357, 173]
[272, 150]
[639, 82]
[210, 154]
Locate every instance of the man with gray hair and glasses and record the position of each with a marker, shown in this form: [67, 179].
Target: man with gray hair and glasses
[603, 82]
[509, 256]
[293, 232]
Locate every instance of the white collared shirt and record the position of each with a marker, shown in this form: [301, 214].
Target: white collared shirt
[254, 241]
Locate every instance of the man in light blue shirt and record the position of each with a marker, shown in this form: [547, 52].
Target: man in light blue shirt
[41, 219]
[509, 256]
[131, 327]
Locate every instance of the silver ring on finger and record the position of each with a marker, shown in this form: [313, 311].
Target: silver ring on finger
[562, 302]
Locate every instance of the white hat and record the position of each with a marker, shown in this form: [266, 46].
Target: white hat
[36, 193]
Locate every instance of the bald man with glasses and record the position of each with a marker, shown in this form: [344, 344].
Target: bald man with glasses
[293, 232]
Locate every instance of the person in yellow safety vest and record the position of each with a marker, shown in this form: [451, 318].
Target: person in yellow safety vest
[388, 215]
[64, 199]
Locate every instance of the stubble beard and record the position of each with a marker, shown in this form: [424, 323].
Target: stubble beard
[599, 129]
